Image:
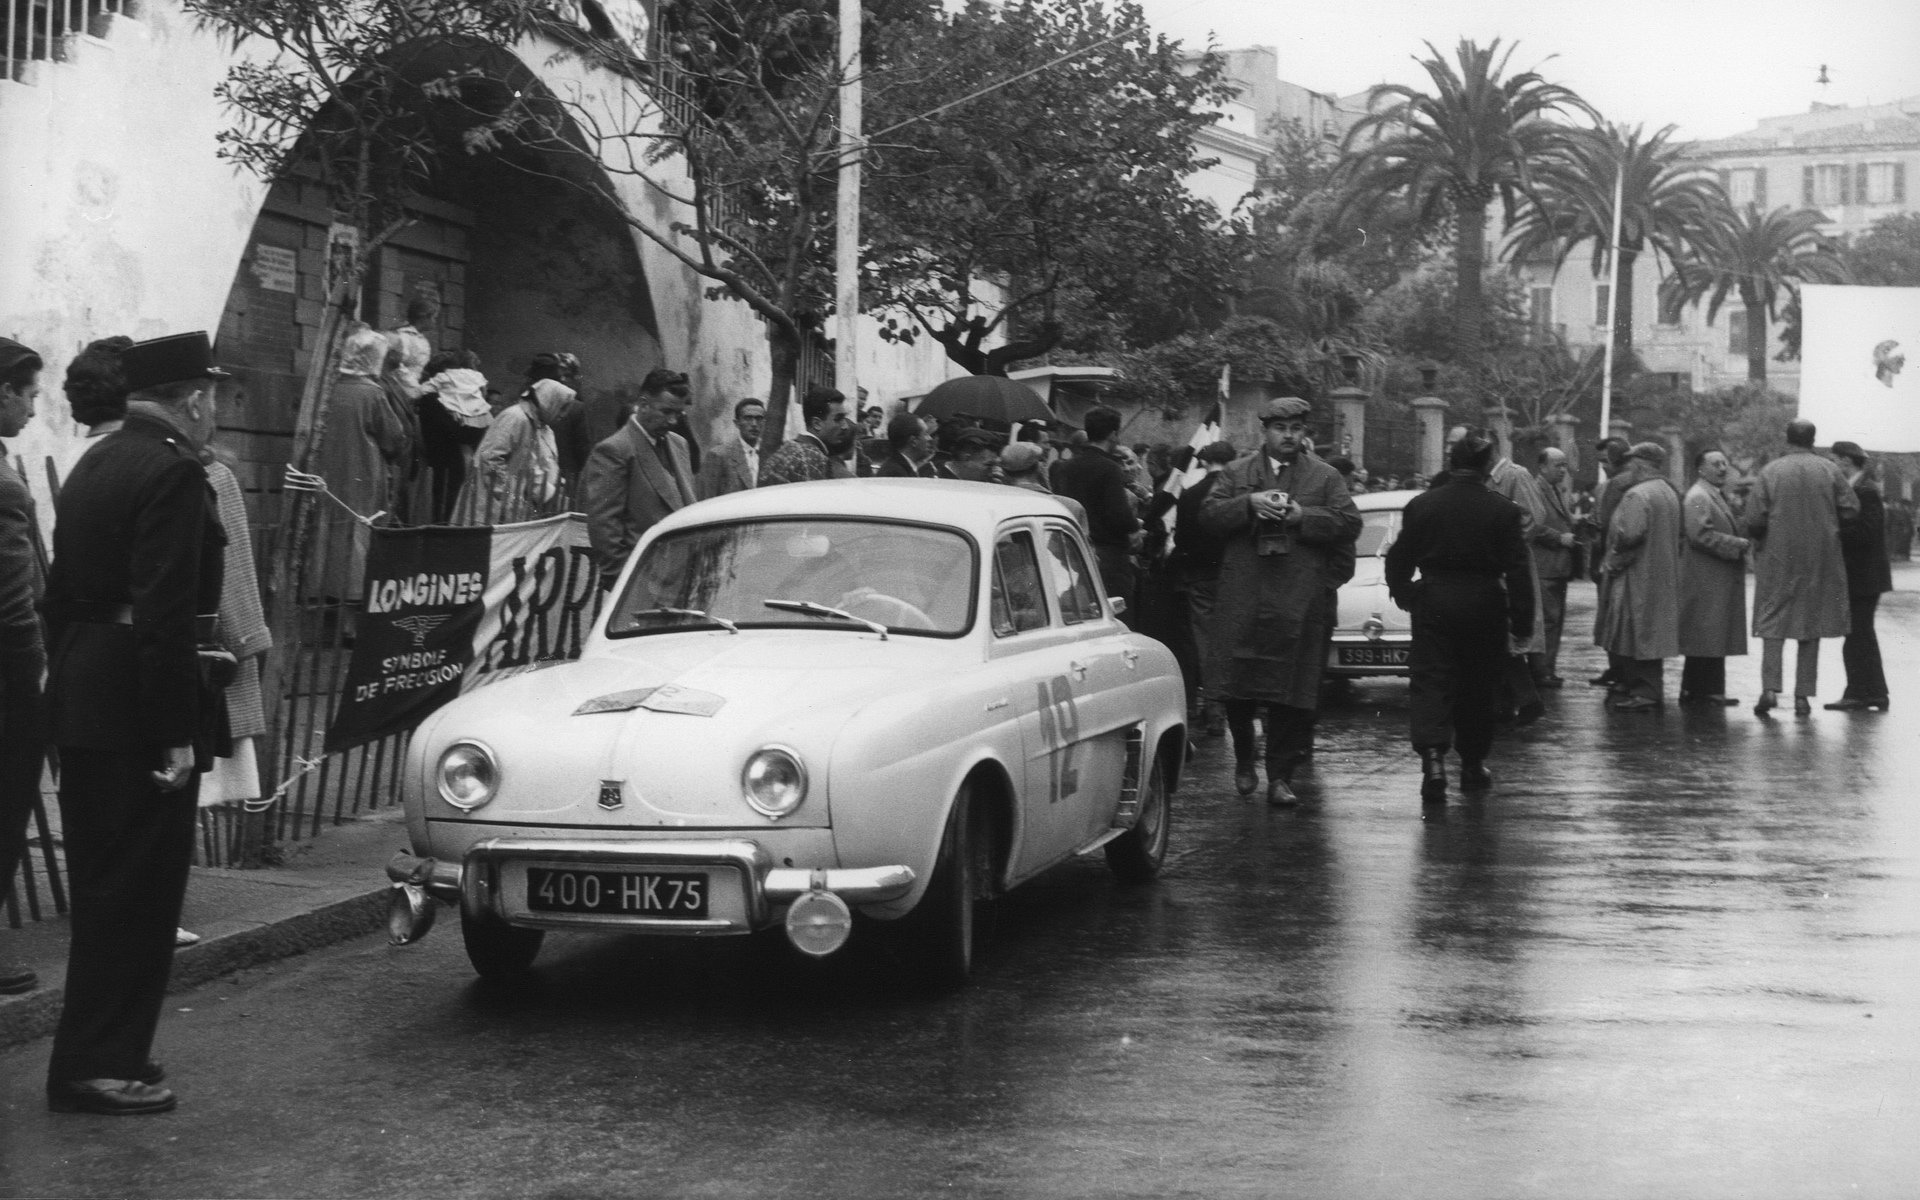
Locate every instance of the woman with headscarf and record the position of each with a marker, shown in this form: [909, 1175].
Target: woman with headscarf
[516, 468]
[361, 448]
[412, 494]
[454, 416]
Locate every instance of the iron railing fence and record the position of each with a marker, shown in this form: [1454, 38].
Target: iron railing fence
[46, 30]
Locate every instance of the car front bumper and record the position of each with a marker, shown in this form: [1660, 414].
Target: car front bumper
[745, 888]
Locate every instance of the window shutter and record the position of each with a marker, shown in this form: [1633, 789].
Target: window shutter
[1899, 183]
[1806, 187]
[1760, 188]
[1860, 193]
[1846, 184]
[1726, 182]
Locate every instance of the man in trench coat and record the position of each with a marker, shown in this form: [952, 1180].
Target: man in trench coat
[638, 475]
[1643, 580]
[1794, 515]
[1288, 527]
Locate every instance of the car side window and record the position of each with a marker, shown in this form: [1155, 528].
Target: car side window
[1079, 591]
[1019, 596]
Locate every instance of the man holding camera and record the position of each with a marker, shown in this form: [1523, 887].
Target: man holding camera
[1288, 529]
[134, 673]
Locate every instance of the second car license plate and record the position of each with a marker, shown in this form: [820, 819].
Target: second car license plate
[1371, 656]
[681, 895]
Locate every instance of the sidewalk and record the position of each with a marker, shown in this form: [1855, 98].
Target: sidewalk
[332, 888]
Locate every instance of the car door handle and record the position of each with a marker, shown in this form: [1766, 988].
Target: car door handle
[1131, 657]
[1077, 669]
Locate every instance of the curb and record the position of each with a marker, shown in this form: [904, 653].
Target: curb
[35, 1014]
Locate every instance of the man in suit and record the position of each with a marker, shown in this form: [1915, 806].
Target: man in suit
[638, 475]
[910, 450]
[133, 704]
[1095, 478]
[1551, 542]
[1474, 594]
[23, 656]
[735, 466]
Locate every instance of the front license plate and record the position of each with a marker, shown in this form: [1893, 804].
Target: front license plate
[671, 895]
[1371, 656]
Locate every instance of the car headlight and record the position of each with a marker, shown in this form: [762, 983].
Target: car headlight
[774, 781]
[468, 775]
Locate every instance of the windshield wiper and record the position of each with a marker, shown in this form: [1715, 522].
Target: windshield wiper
[821, 610]
[729, 626]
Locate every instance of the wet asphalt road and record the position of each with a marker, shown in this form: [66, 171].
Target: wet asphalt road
[1672, 956]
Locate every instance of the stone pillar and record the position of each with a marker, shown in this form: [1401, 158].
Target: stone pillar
[1676, 440]
[1499, 420]
[1431, 412]
[1566, 436]
[1350, 404]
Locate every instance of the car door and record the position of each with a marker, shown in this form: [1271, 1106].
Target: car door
[1099, 669]
[1032, 651]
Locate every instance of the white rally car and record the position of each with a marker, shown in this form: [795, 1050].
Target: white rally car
[895, 697]
[1372, 636]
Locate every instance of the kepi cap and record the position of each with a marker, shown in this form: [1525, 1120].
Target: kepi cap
[175, 358]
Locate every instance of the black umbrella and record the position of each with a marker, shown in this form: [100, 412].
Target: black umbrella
[985, 398]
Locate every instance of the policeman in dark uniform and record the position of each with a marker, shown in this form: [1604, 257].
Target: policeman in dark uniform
[1474, 590]
[132, 703]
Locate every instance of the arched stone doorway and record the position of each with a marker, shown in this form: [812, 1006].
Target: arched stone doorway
[521, 256]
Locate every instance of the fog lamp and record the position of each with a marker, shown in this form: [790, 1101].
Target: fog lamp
[1373, 627]
[819, 923]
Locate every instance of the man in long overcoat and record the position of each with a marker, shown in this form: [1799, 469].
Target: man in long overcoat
[1863, 545]
[1713, 584]
[23, 655]
[1643, 580]
[1794, 514]
[133, 704]
[638, 475]
[1288, 527]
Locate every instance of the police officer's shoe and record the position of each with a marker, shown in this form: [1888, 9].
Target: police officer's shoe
[1245, 778]
[109, 1097]
[1474, 776]
[1279, 794]
[153, 1074]
[1433, 777]
[14, 980]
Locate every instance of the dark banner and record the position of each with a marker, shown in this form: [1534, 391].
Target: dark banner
[447, 609]
[426, 594]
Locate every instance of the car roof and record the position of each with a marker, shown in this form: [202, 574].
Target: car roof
[1379, 501]
[977, 507]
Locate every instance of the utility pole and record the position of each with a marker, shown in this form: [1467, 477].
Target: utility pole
[846, 245]
[1613, 305]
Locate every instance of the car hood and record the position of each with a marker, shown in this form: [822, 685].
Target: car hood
[725, 696]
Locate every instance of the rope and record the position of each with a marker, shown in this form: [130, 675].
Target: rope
[262, 804]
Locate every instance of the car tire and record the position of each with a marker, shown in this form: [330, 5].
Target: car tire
[938, 936]
[1137, 855]
[497, 950]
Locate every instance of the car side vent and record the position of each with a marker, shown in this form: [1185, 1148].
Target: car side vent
[1123, 816]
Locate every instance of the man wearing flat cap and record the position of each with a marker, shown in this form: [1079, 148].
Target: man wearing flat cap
[1642, 581]
[976, 456]
[133, 705]
[1287, 527]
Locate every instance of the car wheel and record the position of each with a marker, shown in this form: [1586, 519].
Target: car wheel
[498, 950]
[1137, 855]
[939, 932]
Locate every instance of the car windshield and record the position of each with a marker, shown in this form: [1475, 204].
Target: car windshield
[785, 572]
[1377, 531]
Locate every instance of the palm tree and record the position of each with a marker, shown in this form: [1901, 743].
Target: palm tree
[1450, 153]
[1662, 199]
[1761, 256]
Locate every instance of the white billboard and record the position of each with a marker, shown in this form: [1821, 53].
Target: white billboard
[1860, 365]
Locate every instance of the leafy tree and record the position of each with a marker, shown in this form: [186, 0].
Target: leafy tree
[1887, 254]
[1064, 188]
[1480, 134]
[1663, 199]
[1415, 317]
[1759, 257]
